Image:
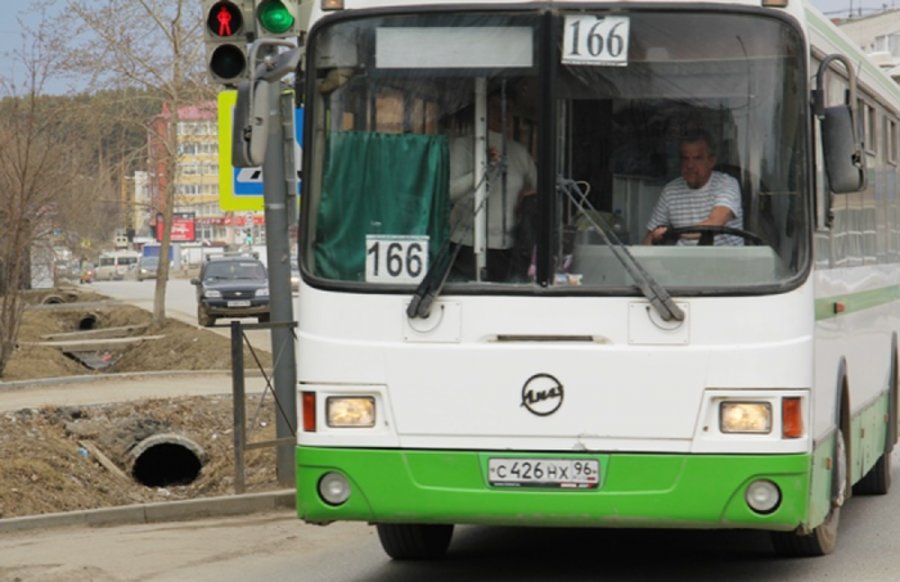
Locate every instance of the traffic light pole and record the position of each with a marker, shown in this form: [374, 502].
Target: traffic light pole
[278, 253]
[260, 139]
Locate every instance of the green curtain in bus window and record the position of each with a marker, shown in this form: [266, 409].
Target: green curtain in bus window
[377, 183]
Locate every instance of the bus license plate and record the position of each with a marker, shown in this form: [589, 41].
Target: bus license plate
[559, 473]
[243, 303]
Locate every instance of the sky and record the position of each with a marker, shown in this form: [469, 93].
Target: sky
[10, 33]
[11, 40]
[841, 8]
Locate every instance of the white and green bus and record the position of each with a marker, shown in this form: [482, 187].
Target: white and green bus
[487, 356]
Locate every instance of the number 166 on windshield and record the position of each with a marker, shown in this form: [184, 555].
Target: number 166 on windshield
[396, 259]
[595, 40]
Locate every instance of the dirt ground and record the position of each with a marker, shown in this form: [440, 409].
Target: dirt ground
[52, 459]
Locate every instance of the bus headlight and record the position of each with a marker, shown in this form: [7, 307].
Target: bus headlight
[350, 411]
[745, 417]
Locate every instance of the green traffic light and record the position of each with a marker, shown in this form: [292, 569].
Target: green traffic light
[275, 17]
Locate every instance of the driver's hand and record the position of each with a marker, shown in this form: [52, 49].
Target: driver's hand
[658, 233]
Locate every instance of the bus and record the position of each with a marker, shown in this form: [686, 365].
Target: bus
[511, 358]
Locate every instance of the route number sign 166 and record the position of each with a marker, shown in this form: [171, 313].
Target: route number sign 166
[595, 40]
[396, 258]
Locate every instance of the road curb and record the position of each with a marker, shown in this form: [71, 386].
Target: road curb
[157, 512]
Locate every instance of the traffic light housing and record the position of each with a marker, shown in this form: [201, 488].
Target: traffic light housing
[277, 18]
[227, 26]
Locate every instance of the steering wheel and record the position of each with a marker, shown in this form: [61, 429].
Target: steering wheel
[707, 234]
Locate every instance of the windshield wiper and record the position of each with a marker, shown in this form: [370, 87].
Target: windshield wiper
[433, 281]
[430, 286]
[655, 293]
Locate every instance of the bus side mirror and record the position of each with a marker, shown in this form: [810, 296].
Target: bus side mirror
[250, 128]
[845, 162]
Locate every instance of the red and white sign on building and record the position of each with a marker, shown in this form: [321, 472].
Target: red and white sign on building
[183, 227]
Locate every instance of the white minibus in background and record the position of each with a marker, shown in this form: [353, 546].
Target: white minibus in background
[117, 265]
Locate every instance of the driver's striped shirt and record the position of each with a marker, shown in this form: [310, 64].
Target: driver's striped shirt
[680, 205]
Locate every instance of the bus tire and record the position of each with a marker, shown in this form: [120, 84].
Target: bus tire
[823, 538]
[413, 541]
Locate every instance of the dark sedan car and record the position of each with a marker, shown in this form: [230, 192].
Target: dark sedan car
[232, 287]
[147, 268]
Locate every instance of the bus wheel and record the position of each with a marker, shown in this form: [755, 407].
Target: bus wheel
[412, 541]
[823, 539]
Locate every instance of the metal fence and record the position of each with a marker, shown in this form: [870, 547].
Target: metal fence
[241, 446]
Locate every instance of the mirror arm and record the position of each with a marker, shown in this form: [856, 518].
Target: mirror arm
[819, 92]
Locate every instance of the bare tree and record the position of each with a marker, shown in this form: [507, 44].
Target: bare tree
[110, 147]
[155, 45]
[33, 167]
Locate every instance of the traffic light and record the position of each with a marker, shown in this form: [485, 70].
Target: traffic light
[277, 18]
[228, 24]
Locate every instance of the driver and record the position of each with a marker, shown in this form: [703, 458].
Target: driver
[700, 197]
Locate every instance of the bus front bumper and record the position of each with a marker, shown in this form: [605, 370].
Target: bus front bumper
[634, 490]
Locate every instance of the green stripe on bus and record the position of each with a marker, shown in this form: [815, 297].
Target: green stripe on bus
[636, 490]
[856, 302]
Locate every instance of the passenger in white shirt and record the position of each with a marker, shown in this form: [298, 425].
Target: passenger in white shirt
[521, 181]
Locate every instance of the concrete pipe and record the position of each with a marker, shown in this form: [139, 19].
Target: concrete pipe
[166, 459]
[87, 322]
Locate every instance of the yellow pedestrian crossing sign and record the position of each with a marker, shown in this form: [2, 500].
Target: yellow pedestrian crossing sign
[241, 189]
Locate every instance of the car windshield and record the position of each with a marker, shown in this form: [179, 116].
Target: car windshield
[451, 140]
[150, 262]
[235, 270]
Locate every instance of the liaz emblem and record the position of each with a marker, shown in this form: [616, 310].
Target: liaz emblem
[542, 394]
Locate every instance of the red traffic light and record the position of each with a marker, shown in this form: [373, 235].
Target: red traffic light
[224, 19]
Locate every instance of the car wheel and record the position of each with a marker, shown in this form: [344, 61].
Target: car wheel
[204, 318]
[263, 318]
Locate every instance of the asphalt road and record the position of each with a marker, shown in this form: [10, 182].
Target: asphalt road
[277, 546]
[181, 304]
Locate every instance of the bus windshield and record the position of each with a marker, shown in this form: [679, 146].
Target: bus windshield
[513, 150]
